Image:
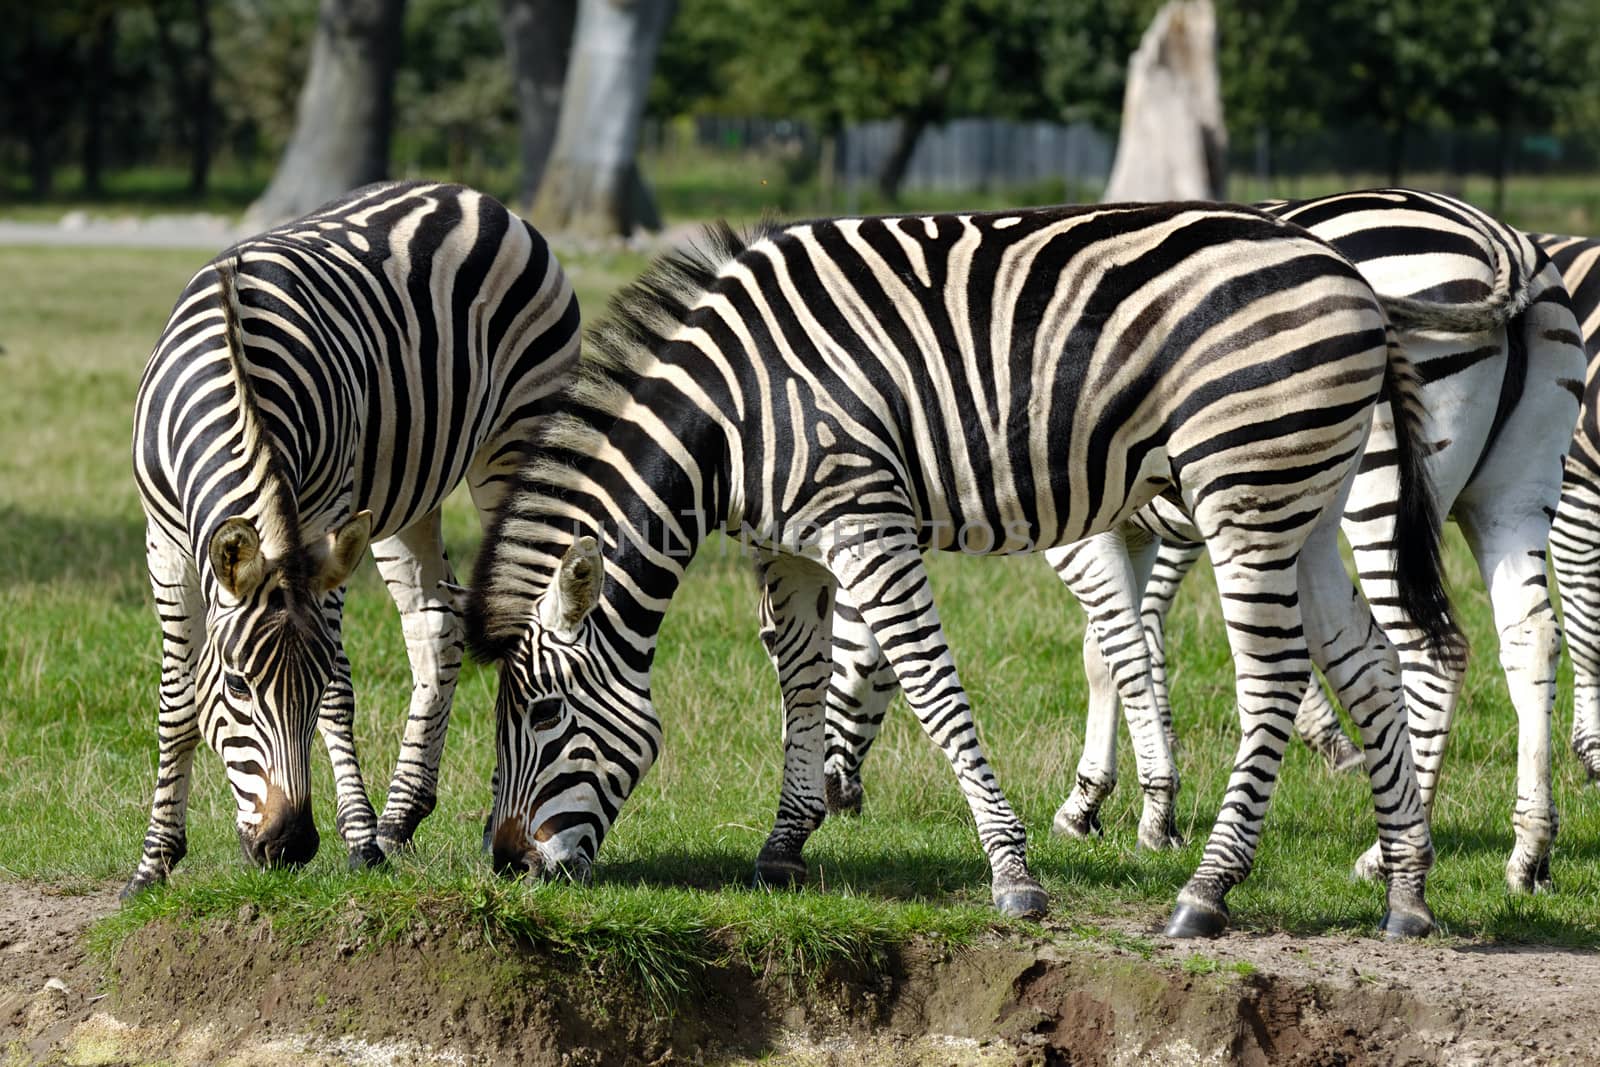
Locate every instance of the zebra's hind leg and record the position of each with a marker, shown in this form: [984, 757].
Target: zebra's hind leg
[892, 592]
[858, 696]
[1512, 561]
[176, 588]
[1363, 667]
[1318, 725]
[1261, 608]
[358, 824]
[413, 564]
[796, 616]
[1575, 550]
[1108, 573]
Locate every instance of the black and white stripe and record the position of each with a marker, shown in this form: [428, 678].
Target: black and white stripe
[318, 386]
[849, 393]
[1575, 535]
[1498, 398]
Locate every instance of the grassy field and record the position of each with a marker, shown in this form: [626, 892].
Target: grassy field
[78, 672]
[744, 186]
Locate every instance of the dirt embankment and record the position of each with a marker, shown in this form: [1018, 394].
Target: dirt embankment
[234, 993]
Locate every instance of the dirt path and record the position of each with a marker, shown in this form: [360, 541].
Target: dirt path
[1072, 998]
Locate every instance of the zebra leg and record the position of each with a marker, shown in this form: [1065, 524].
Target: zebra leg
[1316, 722]
[892, 592]
[1079, 814]
[358, 825]
[1511, 558]
[796, 615]
[1575, 551]
[1364, 668]
[413, 564]
[176, 587]
[1107, 572]
[1318, 725]
[1261, 610]
[858, 696]
[1172, 563]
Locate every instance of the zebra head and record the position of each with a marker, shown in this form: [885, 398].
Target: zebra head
[269, 655]
[575, 729]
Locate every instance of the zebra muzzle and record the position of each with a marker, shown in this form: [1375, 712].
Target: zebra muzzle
[287, 836]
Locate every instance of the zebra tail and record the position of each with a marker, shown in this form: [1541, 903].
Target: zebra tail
[1512, 292]
[1419, 565]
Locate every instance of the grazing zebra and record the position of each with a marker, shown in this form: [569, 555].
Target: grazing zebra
[845, 394]
[1575, 534]
[320, 386]
[1498, 414]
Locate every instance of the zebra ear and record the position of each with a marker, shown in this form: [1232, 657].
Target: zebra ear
[343, 550]
[236, 558]
[575, 590]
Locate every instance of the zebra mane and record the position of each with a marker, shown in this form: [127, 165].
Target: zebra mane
[276, 520]
[537, 519]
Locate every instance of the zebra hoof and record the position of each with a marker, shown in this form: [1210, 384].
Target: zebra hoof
[369, 855]
[842, 793]
[1022, 899]
[1070, 822]
[1405, 925]
[1160, 837]
[1369, 867]
[779, 872]
[1529, 876]
[140, 884]
[1197, 920]
[1347, 758]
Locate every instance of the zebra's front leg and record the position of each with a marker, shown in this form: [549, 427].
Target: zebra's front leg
[413, 564]
[1107, 573]
[178, 605]
[358, 825]
[796, 616]
[858, 696]
[1173, 561]
[890, 587]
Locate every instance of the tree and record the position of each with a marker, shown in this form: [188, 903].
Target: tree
[538, 38]
[191, 73]
[592, 183]
[1173, 144]
[344, 119]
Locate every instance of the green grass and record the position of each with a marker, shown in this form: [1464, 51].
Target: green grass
[745, 186]
[79, 663]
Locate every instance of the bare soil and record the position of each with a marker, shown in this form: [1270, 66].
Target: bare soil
[233, 993]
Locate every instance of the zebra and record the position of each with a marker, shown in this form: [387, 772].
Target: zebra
[1499, 401]
[844, 394]
[318, 388]
[1575, 533]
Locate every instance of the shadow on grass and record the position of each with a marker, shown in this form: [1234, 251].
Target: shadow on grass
[40, 549]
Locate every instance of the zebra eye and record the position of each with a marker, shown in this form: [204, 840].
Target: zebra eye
[238, 688]
[544, 714]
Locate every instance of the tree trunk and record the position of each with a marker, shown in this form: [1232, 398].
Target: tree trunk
[1502, 162]
[201, 107]
[930, 109]
[346, 110]
[592, 184]
[1174, 145]
[1397, 150]
[538, 37]
[94, 100]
